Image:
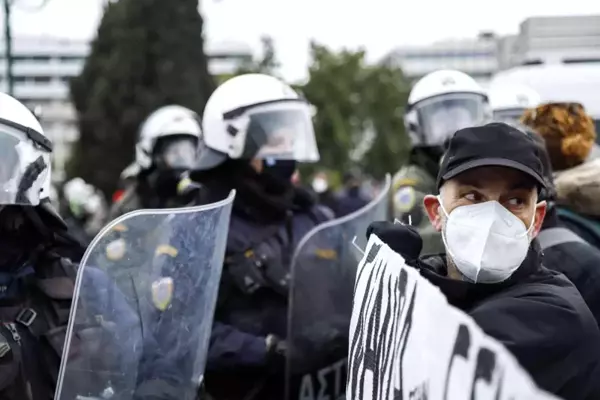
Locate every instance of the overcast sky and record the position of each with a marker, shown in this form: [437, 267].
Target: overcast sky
[377, 25]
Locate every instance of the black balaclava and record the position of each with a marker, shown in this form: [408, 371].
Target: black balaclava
[261, 197]
[18, 237]
[281, 169]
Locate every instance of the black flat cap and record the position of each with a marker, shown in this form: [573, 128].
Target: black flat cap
[495, 144]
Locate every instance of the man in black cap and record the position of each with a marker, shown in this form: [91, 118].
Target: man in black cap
[489, 214]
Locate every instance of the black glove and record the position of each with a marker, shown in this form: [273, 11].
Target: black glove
[276, 351]
[187, 189]
[403, 239]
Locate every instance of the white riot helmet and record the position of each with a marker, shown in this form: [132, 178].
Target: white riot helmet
[83, 199]
[24, 156]
[509, 102]
[256, 116]
[441, 103]
[170, 133]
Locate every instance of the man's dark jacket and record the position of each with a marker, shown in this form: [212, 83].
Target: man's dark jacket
[537, 314]
[580, 262]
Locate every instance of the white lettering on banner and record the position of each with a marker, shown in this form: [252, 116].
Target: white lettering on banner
[408, 343]
[326, 384]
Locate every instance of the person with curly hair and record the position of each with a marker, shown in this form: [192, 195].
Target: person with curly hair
[569, 135]
[568, 130]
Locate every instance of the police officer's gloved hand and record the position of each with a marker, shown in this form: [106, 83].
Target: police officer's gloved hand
[403, 239]
[188, 189]
[276, 351]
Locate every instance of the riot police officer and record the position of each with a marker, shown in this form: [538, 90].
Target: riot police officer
[439, 104]
[35, 277]
[255, 129]
[165, 149]
[83, 209]
[509, 102]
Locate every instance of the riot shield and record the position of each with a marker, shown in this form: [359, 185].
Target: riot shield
[140, 324]
[323, 274]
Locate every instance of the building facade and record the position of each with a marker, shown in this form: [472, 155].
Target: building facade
[552, 40]
[541, 40]
[476, 57]
[43, 68]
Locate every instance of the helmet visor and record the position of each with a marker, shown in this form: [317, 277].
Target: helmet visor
[178, 153]
[22, 168]
[510, 117]
[281, 131]
[441, 116]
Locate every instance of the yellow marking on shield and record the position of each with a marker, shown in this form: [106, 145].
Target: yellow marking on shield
[120, 228]
[116, 249]
[327, 254]
[162, 293]
[166, 249]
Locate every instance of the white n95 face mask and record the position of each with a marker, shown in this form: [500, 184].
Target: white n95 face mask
[487, 242]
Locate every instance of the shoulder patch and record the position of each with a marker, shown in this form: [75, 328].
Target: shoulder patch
[166, 249]
[404, 199]
[115, 250]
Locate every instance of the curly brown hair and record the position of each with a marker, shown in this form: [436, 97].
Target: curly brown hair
[567, 129]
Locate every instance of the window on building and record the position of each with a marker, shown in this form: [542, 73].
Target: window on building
[581, 60]
[70, 58]
[31, 58]
[448, 54]
[231, 57]
[66, 79]
[20, 79]
[42, 79]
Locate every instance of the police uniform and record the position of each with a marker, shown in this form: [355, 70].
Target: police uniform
[409, 186]
[253, 303]
[255, 117]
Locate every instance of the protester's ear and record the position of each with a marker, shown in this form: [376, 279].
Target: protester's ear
[434, 211]
[540, 214]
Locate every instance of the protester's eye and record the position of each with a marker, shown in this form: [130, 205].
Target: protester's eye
[473, 196]
[516, 202]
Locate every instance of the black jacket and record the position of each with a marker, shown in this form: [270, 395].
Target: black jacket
[580, 262]
[537, 314]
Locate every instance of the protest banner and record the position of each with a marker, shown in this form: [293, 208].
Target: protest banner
[408, 343]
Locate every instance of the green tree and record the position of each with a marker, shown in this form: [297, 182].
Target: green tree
[147, 54]
[359, 122]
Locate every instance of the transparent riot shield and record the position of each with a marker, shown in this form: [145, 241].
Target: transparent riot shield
[323, 274]
[143, 307]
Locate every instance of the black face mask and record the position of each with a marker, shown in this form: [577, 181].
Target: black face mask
[164, 181]
[281, 169]
[16, 238]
